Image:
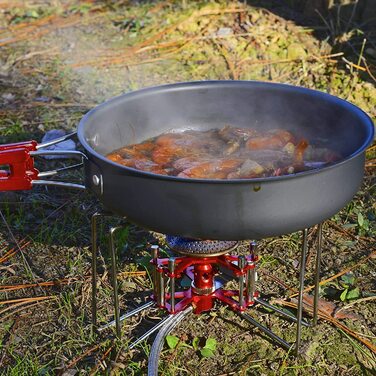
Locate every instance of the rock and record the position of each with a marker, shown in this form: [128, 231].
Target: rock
[224, 32]
[42, 99]
[61, 146]
[9, 97]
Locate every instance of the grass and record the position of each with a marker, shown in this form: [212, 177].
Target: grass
[120, 47]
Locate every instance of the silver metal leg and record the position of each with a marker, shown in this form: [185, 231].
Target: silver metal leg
[282, 313]
[171, 268]
[268, 332]
[164, 321]
[127, 315]
[301, 288]
[317, 274]
[114, 278]
[94, 253]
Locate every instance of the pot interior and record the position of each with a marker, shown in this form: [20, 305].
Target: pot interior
[136, 116]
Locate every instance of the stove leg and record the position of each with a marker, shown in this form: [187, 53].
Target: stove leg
[155, 276]
[282, 313]
[301, 287]
[268, 332]
[94, 254]
[127, 315]
[164, 321]
[171, 269]
[317, 274]
[114, 278]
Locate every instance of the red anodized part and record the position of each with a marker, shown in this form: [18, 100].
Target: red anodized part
[202, 293]
[20, 166]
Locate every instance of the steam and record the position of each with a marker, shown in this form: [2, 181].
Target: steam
[202, 106]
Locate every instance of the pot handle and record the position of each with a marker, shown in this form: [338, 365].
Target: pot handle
[20, 173]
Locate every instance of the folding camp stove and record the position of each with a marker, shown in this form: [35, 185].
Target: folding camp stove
[193, 277]
[200, 262]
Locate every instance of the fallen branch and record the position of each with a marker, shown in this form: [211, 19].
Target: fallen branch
[23, 304]
[33, 299]
[29, 34]
[31, 24]
[146, 44]
[249, 60]
[80, 357]
[7, 288]
[35, 29]
[368, 298]
[51, 51]
[356, 66]
[124, 275]
[96, 367]
[14, 250]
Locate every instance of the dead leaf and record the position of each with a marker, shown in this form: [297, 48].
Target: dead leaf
[327, 308]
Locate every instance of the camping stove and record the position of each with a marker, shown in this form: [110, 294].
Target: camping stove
[193, 277]
[201, 262]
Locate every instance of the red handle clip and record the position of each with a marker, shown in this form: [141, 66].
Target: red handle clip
[21, 171]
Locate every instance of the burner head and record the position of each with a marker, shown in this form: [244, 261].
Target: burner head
[200, 248]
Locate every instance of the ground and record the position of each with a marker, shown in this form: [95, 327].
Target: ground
[59, 59]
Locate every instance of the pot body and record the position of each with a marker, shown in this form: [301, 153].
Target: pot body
[225, 209]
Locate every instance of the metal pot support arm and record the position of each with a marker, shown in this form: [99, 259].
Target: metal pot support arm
[20, 172]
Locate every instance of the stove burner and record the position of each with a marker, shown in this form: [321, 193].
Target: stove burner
[200, 248]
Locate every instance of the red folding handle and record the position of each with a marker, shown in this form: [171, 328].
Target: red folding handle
[21, 166]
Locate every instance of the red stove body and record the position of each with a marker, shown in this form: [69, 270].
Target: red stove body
[204, 289]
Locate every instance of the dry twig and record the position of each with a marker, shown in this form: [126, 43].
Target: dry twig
[22, 244]
[7, 288]
[80, 357]
[32, 299]
[344, 271]
[103, 357]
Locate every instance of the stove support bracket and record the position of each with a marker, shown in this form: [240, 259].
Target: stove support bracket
[317, 274]
[264, 329]
[94, 249]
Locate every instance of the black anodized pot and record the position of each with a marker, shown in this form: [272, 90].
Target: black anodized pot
[225, 209]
